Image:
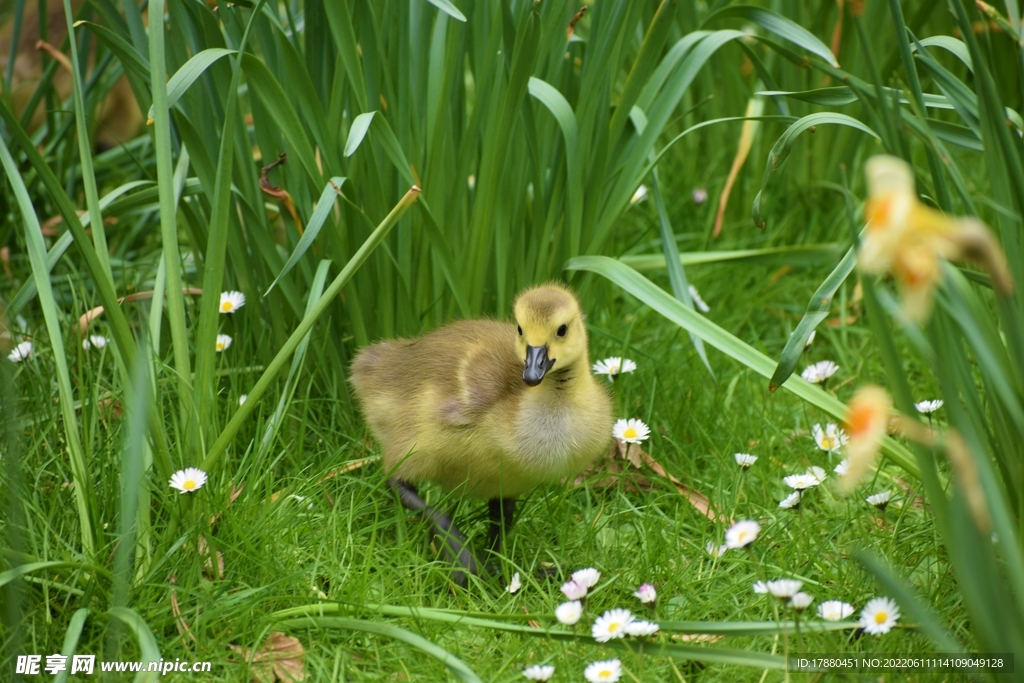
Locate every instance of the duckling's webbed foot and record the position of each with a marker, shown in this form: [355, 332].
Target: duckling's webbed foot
[453, 542]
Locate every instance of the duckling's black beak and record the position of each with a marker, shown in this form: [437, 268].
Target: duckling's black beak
[537, 364]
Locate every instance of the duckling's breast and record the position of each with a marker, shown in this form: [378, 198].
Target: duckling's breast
[556, 436]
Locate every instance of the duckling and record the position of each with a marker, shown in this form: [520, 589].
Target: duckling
[486, 409]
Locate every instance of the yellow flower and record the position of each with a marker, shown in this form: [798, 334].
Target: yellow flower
[867, 416]
[908, 239]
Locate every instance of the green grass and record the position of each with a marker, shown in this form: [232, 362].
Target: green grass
[371, 98]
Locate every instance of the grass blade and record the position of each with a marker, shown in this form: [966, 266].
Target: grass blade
[910, 603]
[71, 637]
[150, 651]
[458, 668]
[175, 301]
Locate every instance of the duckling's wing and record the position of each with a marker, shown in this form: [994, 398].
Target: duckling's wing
[488, 372]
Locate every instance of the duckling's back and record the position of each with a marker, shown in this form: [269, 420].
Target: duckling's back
[431, 396]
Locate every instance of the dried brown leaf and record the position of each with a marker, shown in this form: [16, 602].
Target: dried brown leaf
[616, 463]
[204, 552]
[696, 637]
[281, 658]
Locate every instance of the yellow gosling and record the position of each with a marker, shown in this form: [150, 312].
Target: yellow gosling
[486, 409]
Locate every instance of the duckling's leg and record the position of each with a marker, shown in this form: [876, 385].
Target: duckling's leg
[500, 512]
[453, 542]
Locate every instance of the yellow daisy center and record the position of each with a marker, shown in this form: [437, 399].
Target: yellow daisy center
[741, 536]
[220, 346]
[189, 484]
[828, 442]
[226, 306]
[630, 433]
[606, 673]
[613, 369]
[613, 627]
[881, 617]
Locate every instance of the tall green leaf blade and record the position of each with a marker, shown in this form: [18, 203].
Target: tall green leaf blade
[270, 374]
[92, 198]
[560, 108]
[85, 500]
[817, 310]
[659, 300]
[784, 145]
[217, 237]
[777, 24]
[316, 222]
[448, 8]
[175, 302]
[676, 274]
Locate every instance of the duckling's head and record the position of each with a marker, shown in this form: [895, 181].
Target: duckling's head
[551, 331]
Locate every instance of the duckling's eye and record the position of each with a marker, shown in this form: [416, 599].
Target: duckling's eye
[520, 328]
[562, 330]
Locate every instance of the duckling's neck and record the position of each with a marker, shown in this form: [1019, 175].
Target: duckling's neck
[569, 379]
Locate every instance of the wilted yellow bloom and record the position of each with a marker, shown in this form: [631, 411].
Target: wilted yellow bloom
[909, 239]
[867, 415]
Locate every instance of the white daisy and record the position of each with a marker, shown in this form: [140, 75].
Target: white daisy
[715, 550]
[760, 587]
[607, 671]
[587, 577]
[243, 398]
[810, 338]
[742, 533]
[800, 601]
[819, 372]
[829, 439]
[613, 366]
[231, 301]
[569, 613]
[784, 588]
[631, 430]
[790, 501]
[801, 481]
[879, 616]
[573, 590]
[646, 593]
[842, 468]
[515, 585]
[20, 352]
[697, 301]
[223, 342]
[880, 499]
[745, 460]
[929, 407]
[700, 195]
[834, 610]
[817, 472]
[639, 195]
[641, 628]
[188, 480]
[539, 672]
[94, 341]
[611, 624]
